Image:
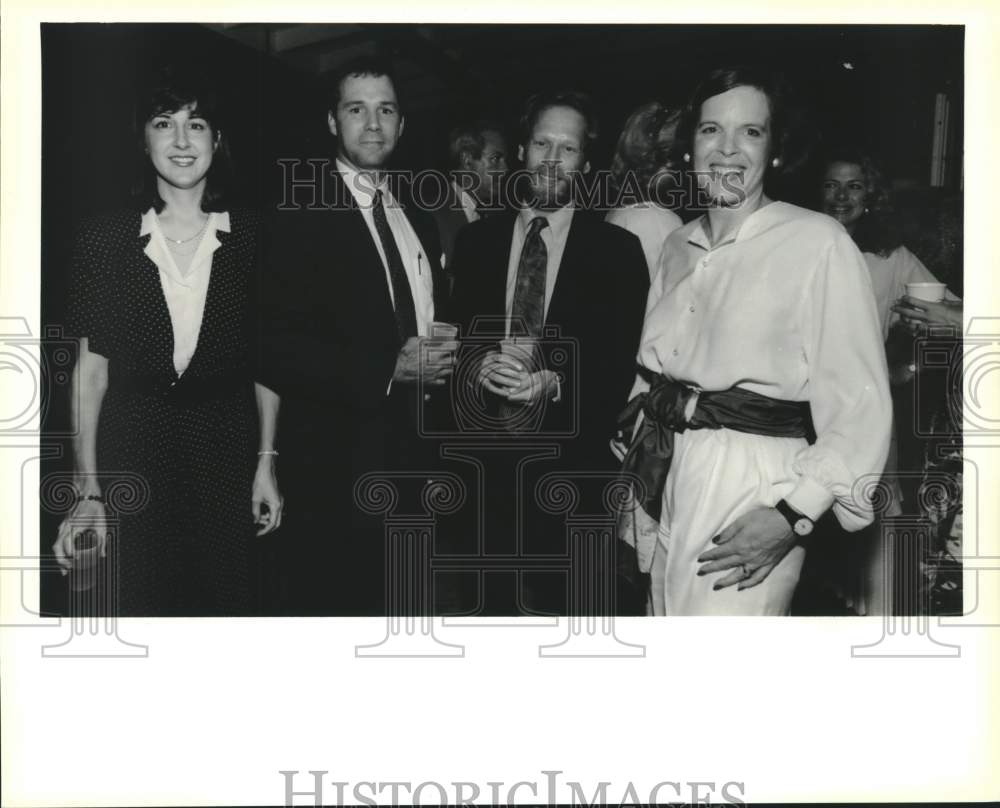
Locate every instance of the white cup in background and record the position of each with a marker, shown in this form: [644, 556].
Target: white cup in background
[931, 292]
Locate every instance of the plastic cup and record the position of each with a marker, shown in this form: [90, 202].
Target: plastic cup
[931, 292]
[520, 348]
[445, 331]
[86, 561]
[441, 345]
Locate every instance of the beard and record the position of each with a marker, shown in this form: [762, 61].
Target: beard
[547, 191]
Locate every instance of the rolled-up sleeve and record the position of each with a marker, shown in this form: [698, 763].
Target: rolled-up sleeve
[848, 390]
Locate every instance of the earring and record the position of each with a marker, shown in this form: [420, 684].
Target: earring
[866, 210]
[776, 162]
[687, 157]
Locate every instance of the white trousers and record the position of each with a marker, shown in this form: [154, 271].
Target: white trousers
[716, 476]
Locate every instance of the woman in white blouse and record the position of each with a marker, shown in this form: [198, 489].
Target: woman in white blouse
[855, 193]
[174, 451]
[642, 179]
[761, 360]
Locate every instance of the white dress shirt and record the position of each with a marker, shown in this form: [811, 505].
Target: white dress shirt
[185, 293]
[554, 238]
[889, 278]
[467, 202]
[418, 271]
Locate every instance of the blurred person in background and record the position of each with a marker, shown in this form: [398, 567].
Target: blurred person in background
[642, 174]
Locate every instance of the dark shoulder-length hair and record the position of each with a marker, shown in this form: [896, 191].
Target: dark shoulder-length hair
[877, 231]
[789, 141]
[171, 92]
[644, 148]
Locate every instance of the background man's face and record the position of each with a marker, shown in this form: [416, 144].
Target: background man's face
[554, 154]
[367, 121]
[490, 167]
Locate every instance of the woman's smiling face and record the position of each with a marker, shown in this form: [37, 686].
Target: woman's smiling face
[845, 189]
[180, 145]
[732, 145]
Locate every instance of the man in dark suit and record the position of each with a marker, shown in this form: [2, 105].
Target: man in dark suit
[352, 283]
[574, 289]
[478, 155]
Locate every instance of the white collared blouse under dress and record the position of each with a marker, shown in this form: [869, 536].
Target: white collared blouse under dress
[188, 462]
[184, 292]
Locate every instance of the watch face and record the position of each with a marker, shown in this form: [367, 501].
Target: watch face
[803, 527]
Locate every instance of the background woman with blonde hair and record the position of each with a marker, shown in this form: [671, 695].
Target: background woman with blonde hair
[642, 178]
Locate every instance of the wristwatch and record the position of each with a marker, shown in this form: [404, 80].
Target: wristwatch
[801, 524]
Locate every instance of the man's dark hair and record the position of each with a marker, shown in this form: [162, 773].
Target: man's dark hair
[538, 103]
[470, 139]
[171, 91]
[787, 128]
[360, 66]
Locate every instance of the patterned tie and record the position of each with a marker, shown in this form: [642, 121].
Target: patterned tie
[527, 315]
[406, 315]
[529, 288]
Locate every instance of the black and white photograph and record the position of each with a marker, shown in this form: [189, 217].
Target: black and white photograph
[533, 363]
[248, 422]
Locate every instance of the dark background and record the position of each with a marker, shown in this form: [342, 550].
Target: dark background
[272, 78]
[448, 73]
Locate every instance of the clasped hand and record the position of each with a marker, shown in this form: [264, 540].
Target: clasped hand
[918, 314]
[88, 514]
[749, 548]
[433, 367]
[507, 377]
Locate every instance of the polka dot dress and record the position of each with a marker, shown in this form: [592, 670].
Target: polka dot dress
[190, 441]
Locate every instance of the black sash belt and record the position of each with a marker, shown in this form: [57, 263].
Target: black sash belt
[665, 410]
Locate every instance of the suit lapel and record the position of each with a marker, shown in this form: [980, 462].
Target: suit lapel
[575, 258]
[352, 246]
[498, 258]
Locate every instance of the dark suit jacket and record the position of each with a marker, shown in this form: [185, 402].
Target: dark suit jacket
[450, 218]
[597, 308]
[330, 345]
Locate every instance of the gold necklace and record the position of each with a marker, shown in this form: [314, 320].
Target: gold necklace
[189, 238]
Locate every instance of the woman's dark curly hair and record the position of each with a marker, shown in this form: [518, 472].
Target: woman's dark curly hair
[789, 134]
[171, 91]
[877, 231]
[645, 147]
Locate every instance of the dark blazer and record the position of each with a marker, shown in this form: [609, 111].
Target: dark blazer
[595, 314]
[330, 341]
[450, 219]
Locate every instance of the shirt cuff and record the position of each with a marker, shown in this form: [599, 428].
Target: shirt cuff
[810, 498]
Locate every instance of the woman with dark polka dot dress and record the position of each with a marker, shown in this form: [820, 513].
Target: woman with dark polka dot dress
[171, 425]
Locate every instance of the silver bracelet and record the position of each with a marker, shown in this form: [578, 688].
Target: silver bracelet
[267, 452]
